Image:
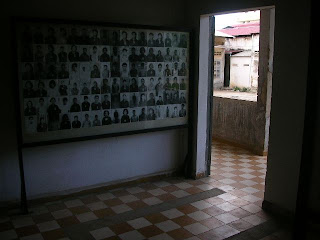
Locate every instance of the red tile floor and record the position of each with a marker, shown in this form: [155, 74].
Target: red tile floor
[237, 172]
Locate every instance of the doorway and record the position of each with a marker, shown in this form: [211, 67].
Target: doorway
[235, 161]
[243, 49]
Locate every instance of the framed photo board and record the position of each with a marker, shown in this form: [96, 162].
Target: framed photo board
[78, 80]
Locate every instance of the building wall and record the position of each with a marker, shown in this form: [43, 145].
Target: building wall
[254, 63]
[219, 54]
[243, 42]
[62, 167]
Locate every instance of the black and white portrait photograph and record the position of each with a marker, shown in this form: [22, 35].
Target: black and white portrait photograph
[133, 113]
[95, 53]
[95, 86]
[151, 115]
[151, 56]
[74, 72]
[105, 54]
[106, 101]
[105, 86]
[64, 104]
[124, 38]
[142, 99]
[114, 37]
[116, 116]
[82, 74]
[63, 87]
[27, 71]
[106, 117]
[124, 100]
[52, 89]
[75, 104]
[142, 69]
[124, 54]
[95, 70]
[150, 83]
[86, 120]
[160, 112]
[134, 98]
[105, 70]
[76, 120]
[104, 36]
[151, 100]
[84, 54]
[124, 116]
[134, 38]
[30, 123]
[134, 85]
[95, 102]
[142, 84]
[96, 118]
[183, 82]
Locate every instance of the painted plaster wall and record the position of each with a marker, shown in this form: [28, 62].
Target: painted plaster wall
[243, 43]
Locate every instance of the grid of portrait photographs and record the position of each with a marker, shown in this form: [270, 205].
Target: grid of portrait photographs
[79, 76]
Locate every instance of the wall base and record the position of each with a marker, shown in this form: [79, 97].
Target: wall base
[57, 196]
[235, 144]
[278, 211]
[200, 175]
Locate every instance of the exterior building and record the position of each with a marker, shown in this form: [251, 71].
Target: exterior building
[219, 58]
[243, 50]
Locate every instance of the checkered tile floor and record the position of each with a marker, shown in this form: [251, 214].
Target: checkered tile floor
[237, 172]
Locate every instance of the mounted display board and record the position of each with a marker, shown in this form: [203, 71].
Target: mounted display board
[78, 80]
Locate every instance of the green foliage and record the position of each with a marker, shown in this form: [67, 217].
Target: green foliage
[237, 89]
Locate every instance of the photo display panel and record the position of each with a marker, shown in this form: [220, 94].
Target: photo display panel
[86, 80]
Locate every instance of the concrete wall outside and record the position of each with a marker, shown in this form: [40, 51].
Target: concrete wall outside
[254, 70]
[62, 167]
[235, 121]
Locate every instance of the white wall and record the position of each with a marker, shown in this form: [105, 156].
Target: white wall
[75, 165]
[240, 72]
[81, 164]
[243, 42]
[203, 92]
[220, 56]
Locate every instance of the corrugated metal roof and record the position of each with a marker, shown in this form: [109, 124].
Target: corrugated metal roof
[242, 29]
[218, 33]
[243, 54]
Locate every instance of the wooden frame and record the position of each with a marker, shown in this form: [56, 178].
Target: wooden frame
[31, 142]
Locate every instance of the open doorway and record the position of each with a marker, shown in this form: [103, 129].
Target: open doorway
[241, 79]
[240, 69]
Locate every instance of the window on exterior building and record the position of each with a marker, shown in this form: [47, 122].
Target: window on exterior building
[217, 68]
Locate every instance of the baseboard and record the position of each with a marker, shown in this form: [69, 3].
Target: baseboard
[239, 145]
[57, 196]
[200, 175]
[277, 211]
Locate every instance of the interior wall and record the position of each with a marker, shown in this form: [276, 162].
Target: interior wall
[62, 167]
[288, 90]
